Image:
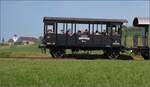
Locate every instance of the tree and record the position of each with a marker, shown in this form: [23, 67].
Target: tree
[40, 39]
[3, 40]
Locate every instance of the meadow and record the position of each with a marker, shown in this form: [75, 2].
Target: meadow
[21, 51]
[26, 66]
[73, 73]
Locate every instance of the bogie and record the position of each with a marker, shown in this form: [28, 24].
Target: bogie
[112, 54]
[57, 53]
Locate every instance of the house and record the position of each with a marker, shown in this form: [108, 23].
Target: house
[12, 40]
[27, 40]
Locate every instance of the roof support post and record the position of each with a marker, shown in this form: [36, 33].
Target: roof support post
[101, 28]
[97, 28]
[92, 28]
[74, 28]
[146, 36]
[44, 29]
[71, 28]
[89, 28]
[66, 27]
[63, 27]
[56, 31]
[56, 27]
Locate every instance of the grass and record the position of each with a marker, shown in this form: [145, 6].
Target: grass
[29, 51]
[21, 51]
[74, 73]
[32, 51]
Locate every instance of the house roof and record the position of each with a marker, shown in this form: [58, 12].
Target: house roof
[82, 20]
[10, 40]
[20, 39]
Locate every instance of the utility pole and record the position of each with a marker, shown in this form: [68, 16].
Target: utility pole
[0, 34]
[0, 25]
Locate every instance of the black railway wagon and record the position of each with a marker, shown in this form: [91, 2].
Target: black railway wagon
[143, 23]
[62, 33]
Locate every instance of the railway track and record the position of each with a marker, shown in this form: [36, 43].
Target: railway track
[82, 57]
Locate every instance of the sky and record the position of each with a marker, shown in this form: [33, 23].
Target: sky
[25, 18]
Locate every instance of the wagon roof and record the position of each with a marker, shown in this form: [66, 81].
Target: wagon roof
[83, 20]
[141, 21]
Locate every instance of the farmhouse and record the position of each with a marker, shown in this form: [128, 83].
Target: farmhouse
[27, 40]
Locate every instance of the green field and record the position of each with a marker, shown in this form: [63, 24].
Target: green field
[21, 51]
[73, 73]
[31, 51]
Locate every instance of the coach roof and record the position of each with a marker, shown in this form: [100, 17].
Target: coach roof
[82, 20]
[141, 21]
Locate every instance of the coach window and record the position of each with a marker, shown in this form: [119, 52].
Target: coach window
[97, 30]
[60, 29]
[103, 29]
[118, 27]
[81, 28]
[109, 30]
[114, 30]
[49, 28]
[69, 28]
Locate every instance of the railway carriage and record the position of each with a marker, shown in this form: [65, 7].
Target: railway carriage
[62, 33]
[143, 23]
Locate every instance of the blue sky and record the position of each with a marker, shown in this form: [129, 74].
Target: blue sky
[24, 18]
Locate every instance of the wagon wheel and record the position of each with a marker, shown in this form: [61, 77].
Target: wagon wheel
[113, 55]
[146, 57]
[57, 53]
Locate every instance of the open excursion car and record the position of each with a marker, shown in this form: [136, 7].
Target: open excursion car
[62, 33]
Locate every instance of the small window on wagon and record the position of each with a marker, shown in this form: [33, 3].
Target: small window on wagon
[50, 29]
